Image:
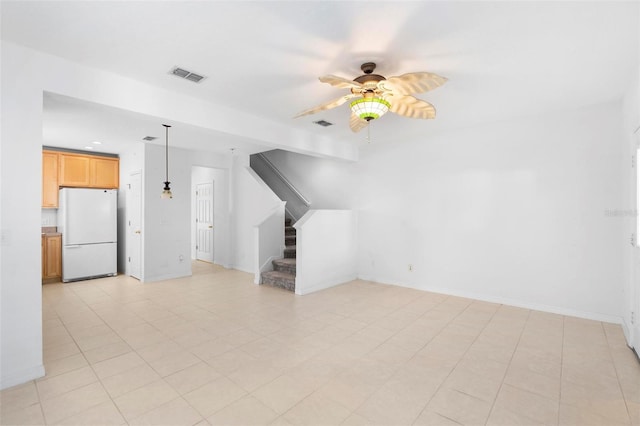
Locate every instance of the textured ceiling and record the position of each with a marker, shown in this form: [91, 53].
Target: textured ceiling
[503, 59]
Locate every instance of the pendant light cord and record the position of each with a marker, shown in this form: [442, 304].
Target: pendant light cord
[166, 152]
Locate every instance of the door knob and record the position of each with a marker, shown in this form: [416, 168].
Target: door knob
[137, 232]
[210, 226]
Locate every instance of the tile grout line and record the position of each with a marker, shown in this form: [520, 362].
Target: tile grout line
[461, 356]
[493, 404]
[615, 368]
[35, 384]
[561, 368]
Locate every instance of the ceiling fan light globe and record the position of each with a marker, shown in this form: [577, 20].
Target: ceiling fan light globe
[370, 108]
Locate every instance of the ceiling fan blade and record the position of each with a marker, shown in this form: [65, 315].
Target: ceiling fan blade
[415, 82]
[340, 82]
[331, 104]
[411, 107]
[356, 123]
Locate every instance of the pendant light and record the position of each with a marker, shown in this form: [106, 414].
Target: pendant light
[166, 193]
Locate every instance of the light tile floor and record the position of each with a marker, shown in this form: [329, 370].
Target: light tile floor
[217, 349]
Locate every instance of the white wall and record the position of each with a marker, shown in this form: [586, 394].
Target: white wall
[20, 219]
[512, 212]
[49, 217]
[221, 215]
[166, 233]
[252, 201]
[326, 249]
[629, 213]
[326, 183]
[167, 223]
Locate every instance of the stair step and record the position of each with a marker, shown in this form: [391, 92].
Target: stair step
[289, 240]
[289, 230]
[287, 265]
[287, 222]
[279, 279]
[290, 252]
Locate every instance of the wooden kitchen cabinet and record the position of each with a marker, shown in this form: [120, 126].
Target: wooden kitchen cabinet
[88, 171]
[51, 258]
[74, 170]
[49, 179]
[105, 172]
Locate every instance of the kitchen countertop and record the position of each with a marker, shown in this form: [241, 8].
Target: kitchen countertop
[50, 230]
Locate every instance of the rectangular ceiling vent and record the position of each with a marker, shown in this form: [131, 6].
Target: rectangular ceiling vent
[323, 123]
[149, 138]
[188, 75]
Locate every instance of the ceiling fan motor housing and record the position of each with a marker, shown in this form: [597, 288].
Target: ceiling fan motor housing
[367, 68]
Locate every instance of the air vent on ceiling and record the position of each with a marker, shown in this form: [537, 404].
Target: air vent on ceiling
[323, 123]
[191, 76]
[149, 138]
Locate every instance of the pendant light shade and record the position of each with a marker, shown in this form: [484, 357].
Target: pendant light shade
[166, 193]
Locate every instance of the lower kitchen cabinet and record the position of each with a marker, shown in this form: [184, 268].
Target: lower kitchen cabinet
[51, 258]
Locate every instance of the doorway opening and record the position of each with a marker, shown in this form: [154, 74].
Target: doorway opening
[210, 233]
[204, 221]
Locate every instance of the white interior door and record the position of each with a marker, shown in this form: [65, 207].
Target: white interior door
[134, 226]
[204, 222]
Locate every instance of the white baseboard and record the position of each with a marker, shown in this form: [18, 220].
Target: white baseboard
[164, 277]
[325, 284]
[241, 269]
[20, 377]
[506, 301]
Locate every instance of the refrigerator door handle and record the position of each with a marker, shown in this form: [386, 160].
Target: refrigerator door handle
[74, 246]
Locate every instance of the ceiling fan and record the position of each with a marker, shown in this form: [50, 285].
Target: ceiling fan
[376, 95]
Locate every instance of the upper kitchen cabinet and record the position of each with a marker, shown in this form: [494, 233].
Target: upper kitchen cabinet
[49, 179]
[74, 169]
[89, 171]
[105, 172]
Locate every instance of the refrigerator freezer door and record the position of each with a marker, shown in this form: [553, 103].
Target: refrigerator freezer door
[88, 216]
[88, 260]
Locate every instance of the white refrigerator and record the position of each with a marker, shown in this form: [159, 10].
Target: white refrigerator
[87, 219]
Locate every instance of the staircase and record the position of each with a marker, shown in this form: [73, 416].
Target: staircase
[284, 270]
